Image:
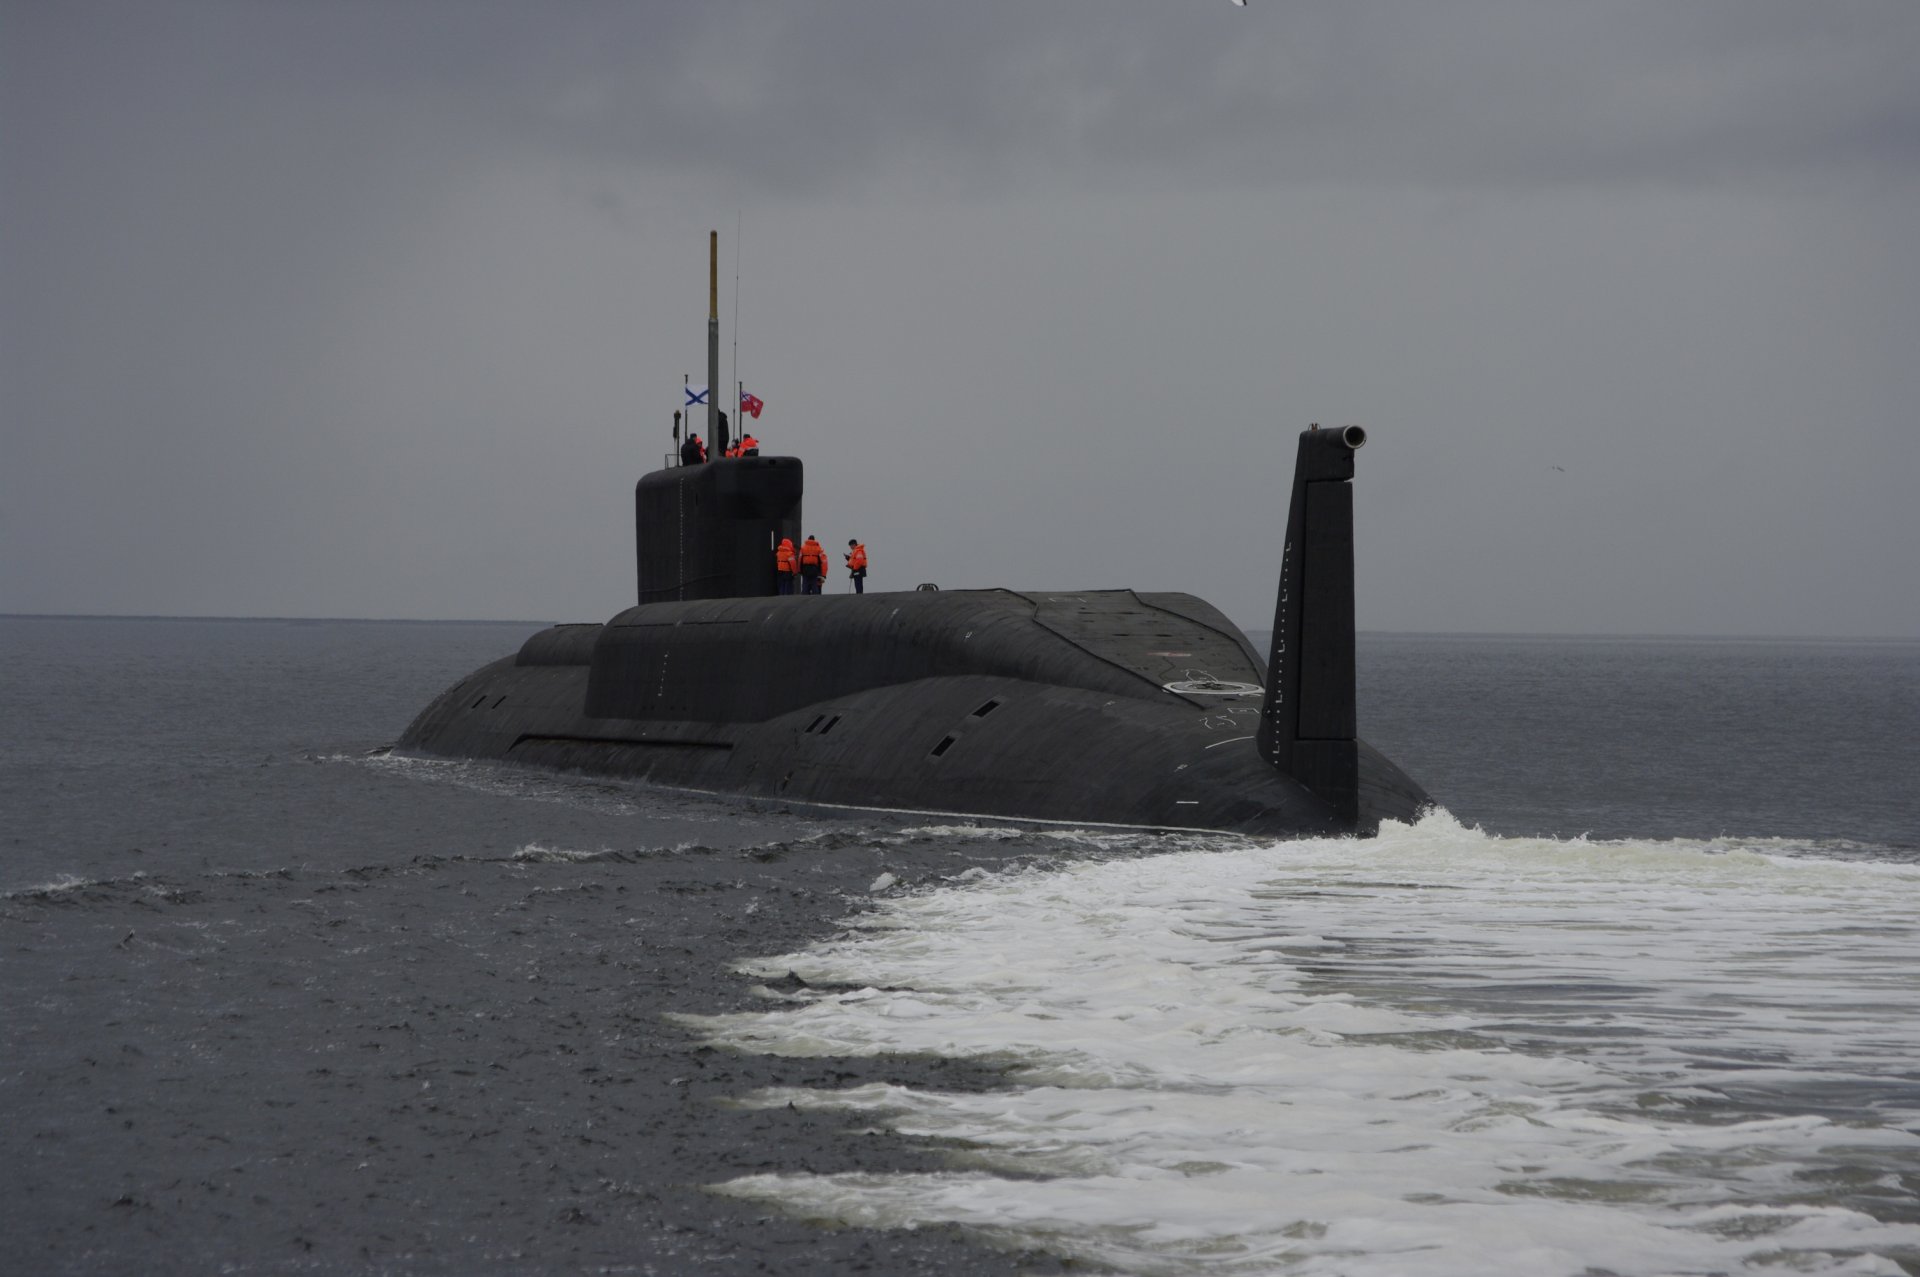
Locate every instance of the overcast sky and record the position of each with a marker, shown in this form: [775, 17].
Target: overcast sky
[348, 308]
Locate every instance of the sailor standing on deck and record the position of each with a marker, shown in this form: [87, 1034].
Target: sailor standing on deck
[783, 564]
[813, 565]
[692, 452]
[856, 557]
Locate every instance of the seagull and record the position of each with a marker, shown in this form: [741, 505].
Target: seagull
[1561, 469]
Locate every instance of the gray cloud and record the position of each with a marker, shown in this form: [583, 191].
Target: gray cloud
[799, 97]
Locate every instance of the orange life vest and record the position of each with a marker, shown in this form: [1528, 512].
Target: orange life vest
[811, 555]
[857, 559]
[749, 447]
[733, 449]
[783, 557]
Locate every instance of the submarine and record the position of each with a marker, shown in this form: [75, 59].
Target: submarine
[1091, 708]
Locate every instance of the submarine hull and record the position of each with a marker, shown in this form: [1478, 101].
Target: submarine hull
[1097, 708]
[1105, 707]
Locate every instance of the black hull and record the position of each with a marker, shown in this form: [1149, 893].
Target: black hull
[1103, 708]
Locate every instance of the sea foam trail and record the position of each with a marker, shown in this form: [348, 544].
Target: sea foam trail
[1431, 1052]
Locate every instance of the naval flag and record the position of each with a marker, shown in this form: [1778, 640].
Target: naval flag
[696, 396]
[751, 404]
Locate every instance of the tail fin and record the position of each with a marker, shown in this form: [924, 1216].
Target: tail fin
[1307, 723]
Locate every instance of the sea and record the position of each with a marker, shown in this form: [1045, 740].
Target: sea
[1640, 996]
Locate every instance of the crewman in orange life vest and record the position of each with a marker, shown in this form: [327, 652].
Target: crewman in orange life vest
[857, 564]
[749, 446]
[813, 565]
[783, 564]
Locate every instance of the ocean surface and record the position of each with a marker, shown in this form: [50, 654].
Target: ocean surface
[1643, 997]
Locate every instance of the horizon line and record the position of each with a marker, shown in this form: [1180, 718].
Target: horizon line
[1262, 629]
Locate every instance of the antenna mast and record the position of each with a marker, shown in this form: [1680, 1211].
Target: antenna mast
[739, 386]
[716, 437]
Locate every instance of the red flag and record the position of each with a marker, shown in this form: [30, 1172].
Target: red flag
[751, 405]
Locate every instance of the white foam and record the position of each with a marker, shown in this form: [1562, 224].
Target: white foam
[1429, 1052]
[541, 854]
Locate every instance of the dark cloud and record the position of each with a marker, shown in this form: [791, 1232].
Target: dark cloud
[778, 96]
[794, 97]
[783, 97]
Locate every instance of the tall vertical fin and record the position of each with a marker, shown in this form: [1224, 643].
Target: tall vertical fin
[1308, 726]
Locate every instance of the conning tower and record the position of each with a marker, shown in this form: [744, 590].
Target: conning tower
[708, 531]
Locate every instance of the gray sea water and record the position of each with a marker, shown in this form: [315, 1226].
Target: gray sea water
[1643, 998]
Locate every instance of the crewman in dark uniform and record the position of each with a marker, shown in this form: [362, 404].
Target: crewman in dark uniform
[692, 452]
